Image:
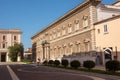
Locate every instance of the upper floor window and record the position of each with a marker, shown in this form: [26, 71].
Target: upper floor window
[3, 45]
[54, 34]
[76, 24]
[15, 37]
[58, 32]
[50, 36]
[105, 28]
[69, 28]
[63, 30]
[98, 31]
[85, 21]
[4, 37]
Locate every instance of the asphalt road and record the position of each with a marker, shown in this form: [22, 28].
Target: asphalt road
[31, 72]
[4, 74]
[27, 72]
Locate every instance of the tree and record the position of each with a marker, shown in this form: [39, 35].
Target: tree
[15, 51]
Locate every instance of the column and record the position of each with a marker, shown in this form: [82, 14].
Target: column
[43, 52]
[0, 56]
[46, 52]
[49, 52]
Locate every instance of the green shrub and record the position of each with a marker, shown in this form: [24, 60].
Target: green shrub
[56, 62]
[75, 64]
[65, 63]
[89, 64]
[51, 62]
[45, 62]
[112, 65]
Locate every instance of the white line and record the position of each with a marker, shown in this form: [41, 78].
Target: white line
[93, 77]
[13, 75]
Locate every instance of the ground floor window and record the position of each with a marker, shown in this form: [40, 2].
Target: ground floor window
[3, 57]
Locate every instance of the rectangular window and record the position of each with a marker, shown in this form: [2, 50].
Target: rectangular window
[15, 38]
[3, 45]
[87, 46]
[76, 26]
[58, 34]
[63, 32]
[4, 38]
[54, 35]
[98, 31]
[69, 28]
[85, 21]
[50, 36]
[105, 28]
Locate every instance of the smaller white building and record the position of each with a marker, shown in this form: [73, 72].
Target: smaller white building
[28, 54]
[8, 38]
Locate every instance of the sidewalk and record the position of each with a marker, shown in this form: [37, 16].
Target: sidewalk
[11, 63]
[100, 68]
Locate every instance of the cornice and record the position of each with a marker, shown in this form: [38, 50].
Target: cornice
[10, 31]
[108, 19]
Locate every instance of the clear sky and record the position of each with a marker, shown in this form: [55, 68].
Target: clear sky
[31, 16]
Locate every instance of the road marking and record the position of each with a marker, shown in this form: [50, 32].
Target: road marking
[93, 77]
[13, 75]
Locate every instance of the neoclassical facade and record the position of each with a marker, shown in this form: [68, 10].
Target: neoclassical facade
[8, 38]
[73, 34]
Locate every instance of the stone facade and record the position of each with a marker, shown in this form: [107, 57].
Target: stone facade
[69, 34]
[8, 38]
[73, 34]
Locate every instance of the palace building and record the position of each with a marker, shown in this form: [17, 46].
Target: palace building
[73, 34]
[8, 38]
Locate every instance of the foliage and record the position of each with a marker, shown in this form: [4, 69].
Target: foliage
[89, 64]
[15, 51]
[51, 62]
[65, 63]
[112, 65]
[75, 64]
[56, 62]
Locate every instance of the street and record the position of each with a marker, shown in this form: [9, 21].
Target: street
[4, 74]
[27, 72]
[33, 72]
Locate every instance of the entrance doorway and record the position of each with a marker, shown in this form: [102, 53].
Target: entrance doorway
[3, 57]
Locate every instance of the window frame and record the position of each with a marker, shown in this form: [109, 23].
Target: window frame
[105, 28]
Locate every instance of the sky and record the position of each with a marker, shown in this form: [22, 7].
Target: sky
[31, 16]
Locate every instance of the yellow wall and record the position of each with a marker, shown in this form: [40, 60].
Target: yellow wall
[110, 39]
